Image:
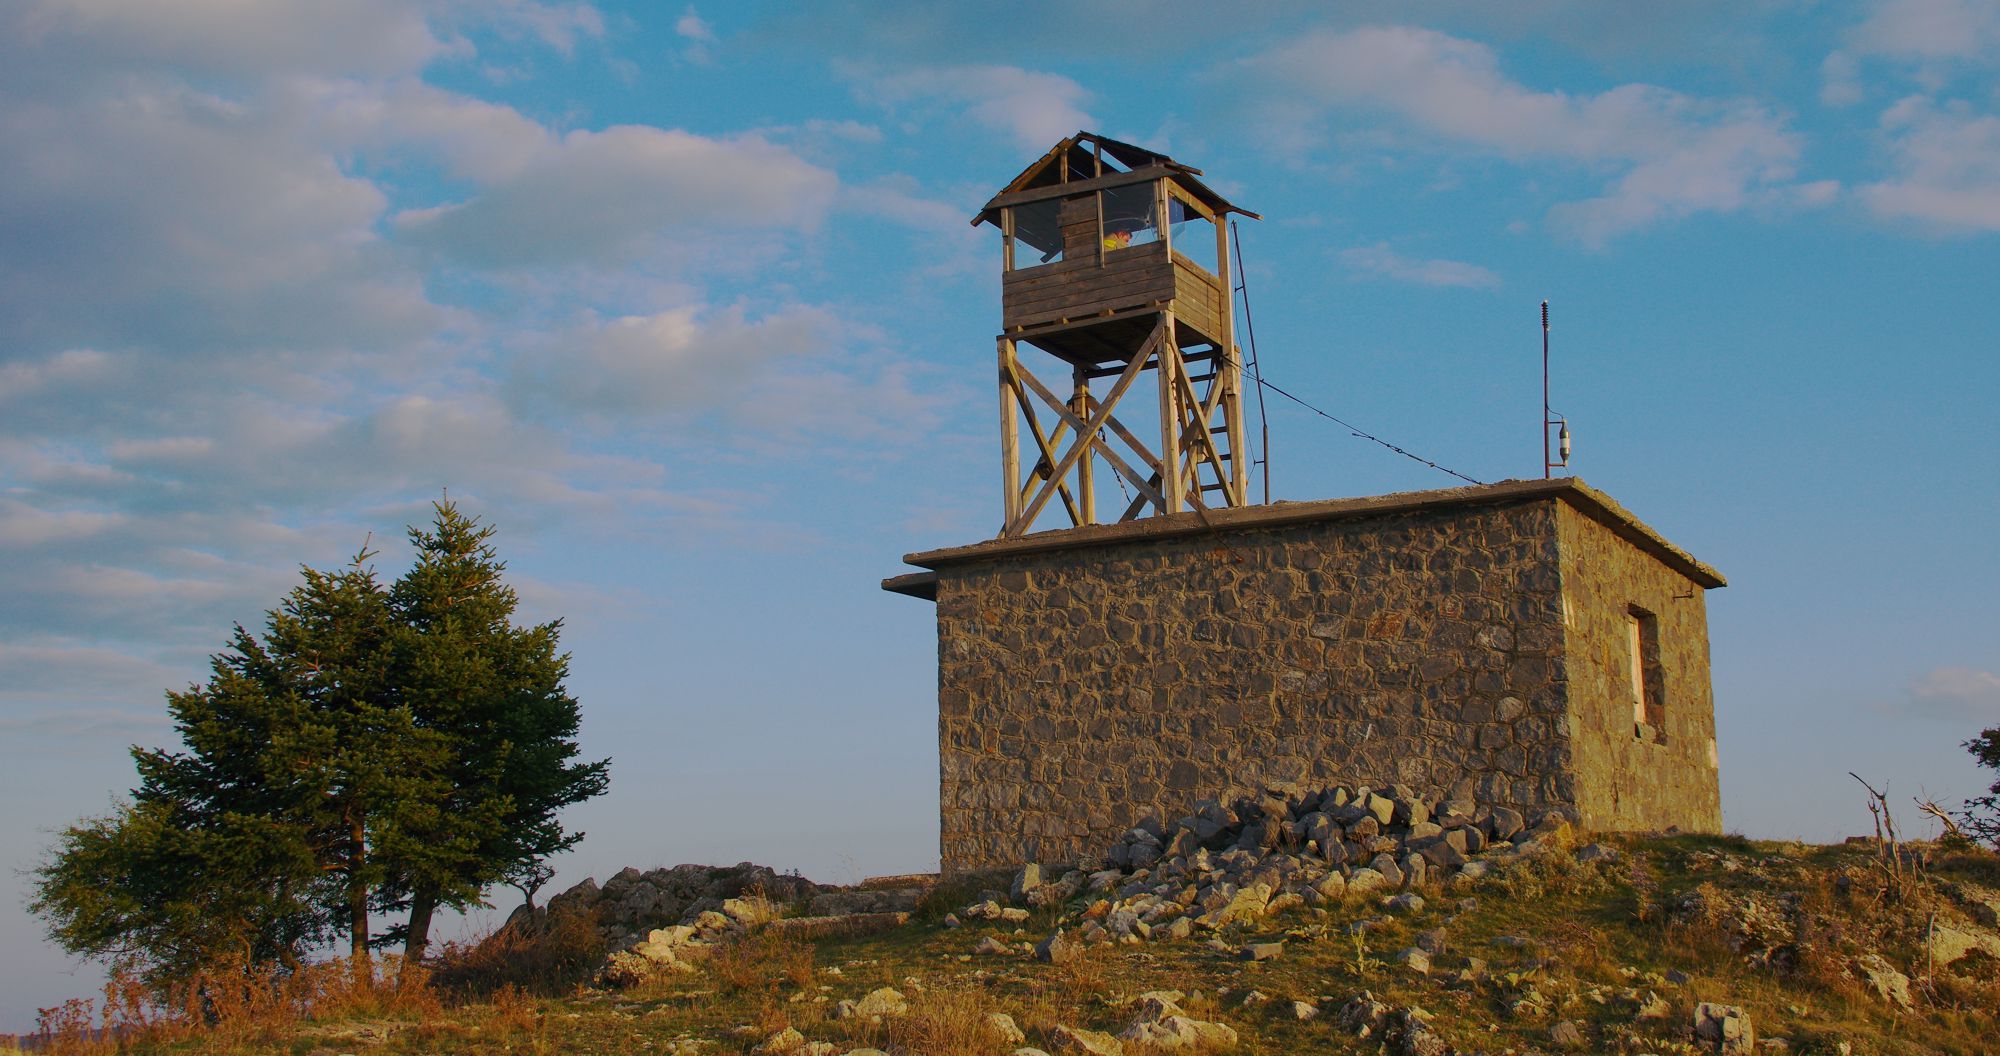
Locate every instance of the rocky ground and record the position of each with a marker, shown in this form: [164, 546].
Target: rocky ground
[1341, 921]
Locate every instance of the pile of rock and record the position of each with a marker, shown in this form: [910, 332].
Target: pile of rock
[665, 920]
[678, 947]
[1402, 1031]
[1260, 857]
[633, 904]
[1349, 828]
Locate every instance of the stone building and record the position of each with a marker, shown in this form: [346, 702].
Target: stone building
[1530, 642]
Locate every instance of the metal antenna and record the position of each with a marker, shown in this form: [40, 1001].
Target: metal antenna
[1549, 417]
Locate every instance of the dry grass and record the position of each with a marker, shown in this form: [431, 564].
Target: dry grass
[552, 957]
[762, 962]
[232, 1005]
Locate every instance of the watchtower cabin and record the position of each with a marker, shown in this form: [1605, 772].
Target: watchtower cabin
[1117, 264]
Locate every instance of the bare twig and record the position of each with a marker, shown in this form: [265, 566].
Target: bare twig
[1889, 854]
[1951, 829]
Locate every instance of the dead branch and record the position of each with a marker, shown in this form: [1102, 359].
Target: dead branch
[1951, 829]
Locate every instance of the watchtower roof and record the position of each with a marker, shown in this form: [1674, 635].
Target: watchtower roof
[1081, 152]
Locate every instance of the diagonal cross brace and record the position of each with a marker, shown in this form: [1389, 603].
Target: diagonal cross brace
[1087, 433]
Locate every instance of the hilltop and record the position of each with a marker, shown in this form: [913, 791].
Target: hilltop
[1468, 931]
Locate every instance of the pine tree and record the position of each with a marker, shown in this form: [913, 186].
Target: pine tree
[377, 749]
[1981, 819]
[257, 838]
[494, 693]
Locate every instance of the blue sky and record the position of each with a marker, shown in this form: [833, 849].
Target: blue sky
[684, 300]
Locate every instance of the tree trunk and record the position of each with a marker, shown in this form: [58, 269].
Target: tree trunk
[422, 902]
[357, 899]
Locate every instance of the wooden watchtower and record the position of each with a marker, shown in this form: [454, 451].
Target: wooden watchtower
[1116, 263]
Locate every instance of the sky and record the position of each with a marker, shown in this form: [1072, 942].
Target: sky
[685, 301]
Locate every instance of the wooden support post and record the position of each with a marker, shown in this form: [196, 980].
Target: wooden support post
[1006, 240]
[1170, 416]
[1086, 483]
[1230, 373]
[1046, 443]
[1010, 435]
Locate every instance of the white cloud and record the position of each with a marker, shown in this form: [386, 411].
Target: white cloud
[1676, 155]
[229, 37]
[1946, 162]
[68, 670]
[560, 26]
[1379, 259]
[602, 195]
[22, 524]
[1840, 80]
[693, 26]
[1929, 30]
[165, 216]
[678, 360]
[474, 138]
[1036, 109]
[1958, 693]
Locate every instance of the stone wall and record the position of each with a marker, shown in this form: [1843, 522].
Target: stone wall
[1083, 688]
[1629, 778]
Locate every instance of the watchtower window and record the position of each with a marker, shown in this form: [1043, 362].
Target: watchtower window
[1130, 216]
[1648, 677]
[1193, 235]
[1037, 234]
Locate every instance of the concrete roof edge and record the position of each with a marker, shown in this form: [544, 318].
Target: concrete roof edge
[914, 584]
[1573, 490]
[1606, 511]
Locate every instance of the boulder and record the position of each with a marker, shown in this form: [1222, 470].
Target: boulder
[750, 911]
[1067, 1039]
[1888, 984]
[886, 1001]
[1181, 1032]
[1001, 1026]
[1724, 1029]
[1362, 881]
[1363, 1016]
[785, 1041]
[1057, 949]
[1385, 866]
[1026, 881]
[1946, 944]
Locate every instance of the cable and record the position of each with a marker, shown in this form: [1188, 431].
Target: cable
[1362, 433]
[1257, 375]
[1250, 333]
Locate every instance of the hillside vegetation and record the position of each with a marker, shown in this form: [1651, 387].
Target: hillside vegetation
[1631, 945]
